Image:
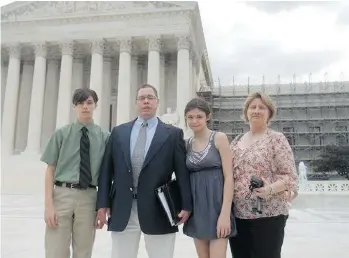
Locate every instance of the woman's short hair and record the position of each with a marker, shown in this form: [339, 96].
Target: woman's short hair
[266, 101]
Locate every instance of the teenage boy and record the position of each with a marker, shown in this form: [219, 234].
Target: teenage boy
[73, 156]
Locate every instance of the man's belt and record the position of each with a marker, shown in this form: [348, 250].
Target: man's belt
[72, 186]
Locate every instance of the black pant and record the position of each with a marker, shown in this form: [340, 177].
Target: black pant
[258, 238]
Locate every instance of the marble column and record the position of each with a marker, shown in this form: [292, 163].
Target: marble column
[37, 100]
[11, 101]
[113, 113]
[51, 101]
[134, 85]
[190, 86]
[65, 85]
[105, 105]
[96, 78]
[183, 76]
[114, 83]
[77, 82]
[162, 93]
[23, 106]
[124, 83]
[154, 47]
[194, 75]
[4, 70]
[191, 73]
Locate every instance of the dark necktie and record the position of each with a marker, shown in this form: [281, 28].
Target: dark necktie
[85, 166]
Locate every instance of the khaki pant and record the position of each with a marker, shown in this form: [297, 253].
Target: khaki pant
[125, 244]
[76, 212]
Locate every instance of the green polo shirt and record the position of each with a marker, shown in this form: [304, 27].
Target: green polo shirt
[63, 150]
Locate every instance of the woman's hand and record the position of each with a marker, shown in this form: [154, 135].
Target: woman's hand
[262, 192]
[290, 195]
[265, 191]
[223, 225]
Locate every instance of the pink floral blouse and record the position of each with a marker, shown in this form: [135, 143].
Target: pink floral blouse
[270, 157]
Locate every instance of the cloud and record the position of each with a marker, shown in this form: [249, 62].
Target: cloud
[343, 15]
[269, 59]
[257, 59]
[286, 6]
[245, 42]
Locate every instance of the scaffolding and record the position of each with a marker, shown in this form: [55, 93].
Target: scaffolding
[311, 115]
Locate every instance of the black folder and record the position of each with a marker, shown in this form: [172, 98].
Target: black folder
[170, 199]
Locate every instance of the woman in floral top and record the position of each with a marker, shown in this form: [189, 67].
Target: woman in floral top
[267, 155]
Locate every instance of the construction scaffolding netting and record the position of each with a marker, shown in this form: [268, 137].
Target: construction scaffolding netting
[311, 115]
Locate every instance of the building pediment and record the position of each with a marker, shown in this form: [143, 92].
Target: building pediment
[54, 9]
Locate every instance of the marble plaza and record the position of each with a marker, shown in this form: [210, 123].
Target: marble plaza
[317, 231]
[317, 228]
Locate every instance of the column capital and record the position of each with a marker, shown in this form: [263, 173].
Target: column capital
[67, 48]
[14, 50]
[97, 46]
[154, 43]
[40, 49]
[183, 42]
[125, 45]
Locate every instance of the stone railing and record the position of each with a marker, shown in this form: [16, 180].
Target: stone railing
[326, 187]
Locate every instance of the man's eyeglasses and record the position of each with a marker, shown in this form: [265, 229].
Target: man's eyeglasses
[149, 97]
